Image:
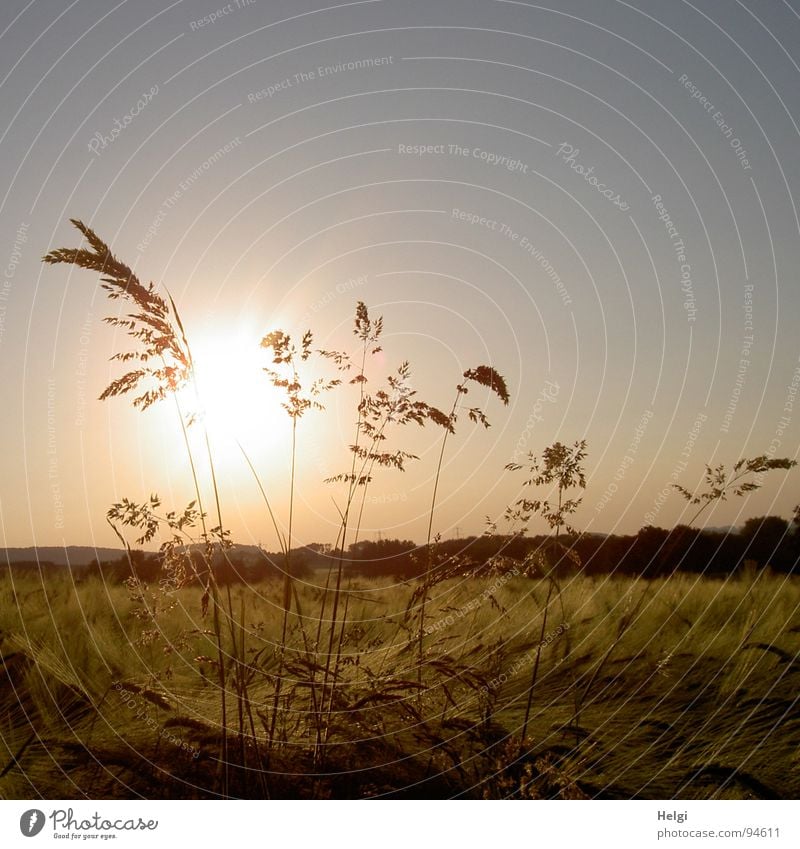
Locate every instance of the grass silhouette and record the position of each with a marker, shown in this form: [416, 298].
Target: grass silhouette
[649, 688]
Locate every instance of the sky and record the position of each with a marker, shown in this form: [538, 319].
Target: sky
[597, 199]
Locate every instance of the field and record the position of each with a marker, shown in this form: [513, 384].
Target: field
[508, 674]
[683, 687]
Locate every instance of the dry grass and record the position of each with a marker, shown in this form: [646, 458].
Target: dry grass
[698, 698]
[449, 687]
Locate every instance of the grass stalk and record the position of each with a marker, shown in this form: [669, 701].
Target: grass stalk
[287, 593]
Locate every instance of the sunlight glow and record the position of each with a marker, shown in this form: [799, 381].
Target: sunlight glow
[237, 402]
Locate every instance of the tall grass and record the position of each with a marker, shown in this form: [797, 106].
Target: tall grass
[482, 376]
[160, 365]
[265, 697]
[560, 468]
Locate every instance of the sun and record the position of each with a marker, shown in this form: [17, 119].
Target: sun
[236, 401]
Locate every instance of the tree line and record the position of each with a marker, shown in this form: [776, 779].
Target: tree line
[764, 541]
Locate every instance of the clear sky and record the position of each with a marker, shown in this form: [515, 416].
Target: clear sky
[597, 198]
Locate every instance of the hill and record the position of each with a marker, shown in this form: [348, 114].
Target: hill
[70, 555]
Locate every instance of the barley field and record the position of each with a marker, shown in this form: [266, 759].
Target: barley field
[684, 687]
[540, 668]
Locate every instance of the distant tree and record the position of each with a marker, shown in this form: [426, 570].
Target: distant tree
[230, 569]
[765, 539]
[648, 550]
[94, 569]
[134, 564]
[384, 557]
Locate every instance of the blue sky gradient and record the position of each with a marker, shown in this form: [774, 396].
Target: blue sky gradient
[599, 199]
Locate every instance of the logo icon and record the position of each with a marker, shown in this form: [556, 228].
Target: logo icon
[31, 822]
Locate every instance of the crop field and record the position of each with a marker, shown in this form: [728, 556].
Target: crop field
[683, 687]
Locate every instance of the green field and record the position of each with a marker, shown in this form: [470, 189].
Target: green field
[683, 687]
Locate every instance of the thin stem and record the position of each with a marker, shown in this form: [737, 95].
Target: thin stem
[287, 583]
[345, 519]
[424, 599]
[281, 538]
[331, 567]
[287, 591]
[212, 584]
[366, 467]
[535, 672]
[340, 642]
[192, 466]
[215, 596]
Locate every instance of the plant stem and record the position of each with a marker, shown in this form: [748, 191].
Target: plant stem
[281, 538]
[343, 529]
[428, 552]
[535, 672]
[287, 591]
[212, 584]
